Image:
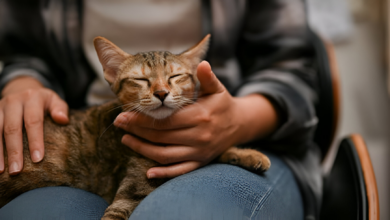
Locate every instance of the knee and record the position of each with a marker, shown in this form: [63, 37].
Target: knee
[225, 192]
[221, 190]
[55, 203]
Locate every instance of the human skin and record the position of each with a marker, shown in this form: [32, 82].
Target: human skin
[187, 140]
[24, 102]
[198, 133]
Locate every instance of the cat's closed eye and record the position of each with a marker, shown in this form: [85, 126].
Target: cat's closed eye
[171, 77]
[143, 80]
[179, 78]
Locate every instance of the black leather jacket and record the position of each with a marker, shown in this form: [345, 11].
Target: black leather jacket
[256, 47]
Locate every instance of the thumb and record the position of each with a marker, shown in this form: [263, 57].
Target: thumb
[59, 110]
[173, 170]
[209, 83]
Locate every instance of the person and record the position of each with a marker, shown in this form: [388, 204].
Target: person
[260, 53]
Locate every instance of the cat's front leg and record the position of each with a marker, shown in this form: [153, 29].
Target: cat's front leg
[130, 193]
[249, 159]
[132, 190]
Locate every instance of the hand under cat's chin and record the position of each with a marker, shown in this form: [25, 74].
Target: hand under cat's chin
[161, 112]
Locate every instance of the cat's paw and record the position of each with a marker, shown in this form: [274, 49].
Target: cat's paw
[249, 159]
[263, 162]
[112, 218]
[115, 214]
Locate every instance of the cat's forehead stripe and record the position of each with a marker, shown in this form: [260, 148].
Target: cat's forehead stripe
[155, 58]
[175, 66]
[139, 70]
[156, 62]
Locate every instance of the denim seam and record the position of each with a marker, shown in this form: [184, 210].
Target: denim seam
[266, 195]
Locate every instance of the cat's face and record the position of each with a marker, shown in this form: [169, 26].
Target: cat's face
[154, 83]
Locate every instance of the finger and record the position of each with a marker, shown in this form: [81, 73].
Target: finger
[189, 117]
[13, 122]
[132, 120]
[209, 83]
[33, 122]
[160, 154]
[58, 109]
[187, 136]
[1, 143]
[173, 170]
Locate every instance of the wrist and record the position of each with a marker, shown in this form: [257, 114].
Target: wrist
[20, 84]
[256, 116]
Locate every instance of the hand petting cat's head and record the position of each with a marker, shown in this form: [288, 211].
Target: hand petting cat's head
[156, 83]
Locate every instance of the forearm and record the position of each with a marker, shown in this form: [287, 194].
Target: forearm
[257, 117]
[280, 64]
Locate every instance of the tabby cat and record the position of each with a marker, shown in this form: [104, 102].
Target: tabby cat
[85, 154]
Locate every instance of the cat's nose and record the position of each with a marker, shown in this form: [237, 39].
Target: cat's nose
[161, 94]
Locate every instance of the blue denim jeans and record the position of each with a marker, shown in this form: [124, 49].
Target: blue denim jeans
[217, 191]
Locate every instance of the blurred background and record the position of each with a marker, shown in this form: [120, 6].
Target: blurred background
[359, 31]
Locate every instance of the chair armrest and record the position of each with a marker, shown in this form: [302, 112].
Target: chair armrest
[369, 176]
[350, 190]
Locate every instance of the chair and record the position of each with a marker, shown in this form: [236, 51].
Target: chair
[350, 190]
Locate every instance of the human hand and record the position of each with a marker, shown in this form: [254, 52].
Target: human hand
[195, 135]
[25, 101]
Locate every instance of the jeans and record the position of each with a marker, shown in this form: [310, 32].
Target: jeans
[217, 191]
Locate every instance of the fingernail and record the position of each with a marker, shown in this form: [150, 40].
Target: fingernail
[59, 113]
[1, 167]
[14, 168]
[151, 175]
[120, 119]
[36, 156]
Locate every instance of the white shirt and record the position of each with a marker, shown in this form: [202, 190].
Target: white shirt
[138, 26]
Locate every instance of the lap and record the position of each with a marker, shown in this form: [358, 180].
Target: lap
[221, 191]
[55, 203]
[217, 191]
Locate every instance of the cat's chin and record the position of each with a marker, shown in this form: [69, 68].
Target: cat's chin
[161, 112]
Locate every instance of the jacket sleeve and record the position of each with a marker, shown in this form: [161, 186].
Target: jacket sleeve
[22, 43]
[32, 67]
[277, 60]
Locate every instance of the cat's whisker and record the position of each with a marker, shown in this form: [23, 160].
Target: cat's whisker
[121, 106]
[108, 111]
[183, 102]
[190, 94]
[190, 102]
[131, 108]
[105, 131]
[124, 105]
[153, 123]
[132, 116]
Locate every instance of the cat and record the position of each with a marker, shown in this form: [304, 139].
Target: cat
[85, 154]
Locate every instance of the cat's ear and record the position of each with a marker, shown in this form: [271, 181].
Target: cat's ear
[197, 52]
[110, 56]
